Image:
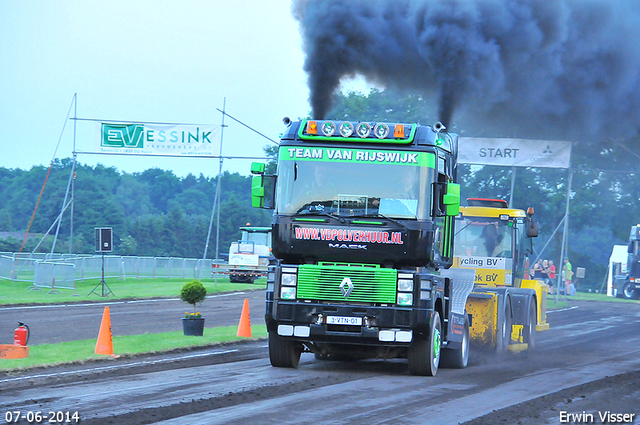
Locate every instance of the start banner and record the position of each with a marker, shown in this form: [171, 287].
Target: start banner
[514, 152]
[157, 139]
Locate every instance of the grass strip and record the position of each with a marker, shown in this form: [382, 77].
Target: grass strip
[131, 288]
[81, 351]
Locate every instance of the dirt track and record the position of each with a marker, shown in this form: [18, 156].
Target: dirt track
[615, 394]
[594, 343]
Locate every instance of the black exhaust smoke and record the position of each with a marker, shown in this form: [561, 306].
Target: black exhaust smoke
[567, 64]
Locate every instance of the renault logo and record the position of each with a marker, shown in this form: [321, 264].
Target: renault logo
[346, 287]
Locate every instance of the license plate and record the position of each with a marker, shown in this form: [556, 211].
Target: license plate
[343, 320]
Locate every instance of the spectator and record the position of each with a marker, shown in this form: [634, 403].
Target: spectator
[545, 272]
[552, 275]
[537, 270]
[567, 273]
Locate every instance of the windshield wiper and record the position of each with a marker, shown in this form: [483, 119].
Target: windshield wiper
[399, 223]
[319, 212]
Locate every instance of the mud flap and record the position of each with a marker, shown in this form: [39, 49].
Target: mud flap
[483, 309]
[520, 307]
[462, 281]
[456, 329]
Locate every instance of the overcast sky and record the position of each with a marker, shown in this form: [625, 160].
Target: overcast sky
[150, 61]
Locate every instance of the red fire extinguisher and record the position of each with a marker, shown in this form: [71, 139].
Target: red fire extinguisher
[21, 335]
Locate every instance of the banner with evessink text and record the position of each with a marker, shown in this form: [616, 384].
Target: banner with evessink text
[157, 139]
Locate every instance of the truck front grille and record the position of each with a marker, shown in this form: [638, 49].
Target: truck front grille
[371, 283]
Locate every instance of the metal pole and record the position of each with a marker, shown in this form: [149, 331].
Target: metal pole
[206, 245]
[513, 182]
[216, 197]
[64, 203]
[564, 238]
[73, 182]
[219, 181]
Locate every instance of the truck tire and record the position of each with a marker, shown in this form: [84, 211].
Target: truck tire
[529, 331]
[628, 293]
[458, 358]
[424, 355]
[283, 352]
[503, 337]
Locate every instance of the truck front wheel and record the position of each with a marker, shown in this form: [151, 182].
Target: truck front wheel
[424, 355]
[283, 352]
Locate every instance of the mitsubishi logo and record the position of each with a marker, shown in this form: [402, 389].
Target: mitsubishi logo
[346, 287]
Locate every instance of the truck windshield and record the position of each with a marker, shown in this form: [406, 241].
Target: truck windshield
[483, 237]
[259, 238]
[371, 187]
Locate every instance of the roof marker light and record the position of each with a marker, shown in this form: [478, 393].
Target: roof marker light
[312, 127]
[398, 131]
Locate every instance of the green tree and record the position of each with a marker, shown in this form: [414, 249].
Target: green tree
[162, 185]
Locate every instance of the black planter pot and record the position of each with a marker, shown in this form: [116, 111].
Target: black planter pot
[193, 327]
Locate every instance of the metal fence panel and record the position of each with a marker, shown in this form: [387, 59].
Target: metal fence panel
[55, 275]
[6, 267]
[20, 270]
[62, 270]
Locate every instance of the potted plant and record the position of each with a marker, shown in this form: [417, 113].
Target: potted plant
[193, 293]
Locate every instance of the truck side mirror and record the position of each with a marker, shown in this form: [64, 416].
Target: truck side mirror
[257, 185]
[259, 197]
[257, 168]
[451, 199]
[257, 192]
[446, 199]
[532, 228]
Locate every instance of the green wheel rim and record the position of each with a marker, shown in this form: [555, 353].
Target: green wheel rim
[436, 345]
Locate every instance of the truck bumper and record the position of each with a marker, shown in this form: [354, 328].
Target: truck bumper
[378, 325]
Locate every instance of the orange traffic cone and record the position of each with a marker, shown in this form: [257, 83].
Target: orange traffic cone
[105, 339]
[244, 328]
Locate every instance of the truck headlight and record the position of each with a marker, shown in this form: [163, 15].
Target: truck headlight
[287, 293]
[289, 279]
[405, 299]
[405, 285]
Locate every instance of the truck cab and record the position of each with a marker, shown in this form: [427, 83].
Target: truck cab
[249, 257]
